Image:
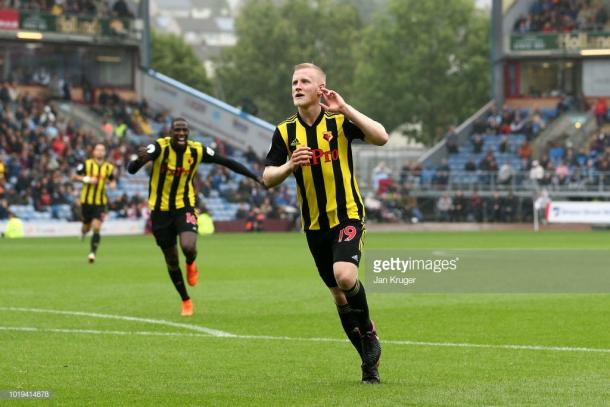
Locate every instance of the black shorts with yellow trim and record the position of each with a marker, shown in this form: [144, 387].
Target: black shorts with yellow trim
[167, 225]
[341, 243]
[91, 212]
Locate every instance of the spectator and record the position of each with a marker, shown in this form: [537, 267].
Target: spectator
[488, 168]
[562, 172]
[536, 173]
[477, 143]
[475, 210]
[563, 105]
[522, 25]
[443, 207]
[518, 124]
[470, 166]
[590, 173]
[381, 177]
[556, 153]
[525, 150]
[495, 208]
[442, 173]
[504, 146]
[405, 172]
[452, 141]
[600, 111]
[581, 157]
[509, 207]
[506, 173]
[459, 207]
[537, 123]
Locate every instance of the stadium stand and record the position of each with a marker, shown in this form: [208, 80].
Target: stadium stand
[565, 16]
[494, 174]
[91, 8]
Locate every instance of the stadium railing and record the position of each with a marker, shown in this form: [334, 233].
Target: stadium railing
[593, 184]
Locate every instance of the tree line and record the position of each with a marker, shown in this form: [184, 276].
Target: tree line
[413, 61]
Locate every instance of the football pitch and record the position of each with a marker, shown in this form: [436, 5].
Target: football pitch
[265, 330]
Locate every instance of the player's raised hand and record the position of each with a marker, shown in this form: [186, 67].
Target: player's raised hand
[301, 156]
[334, 101]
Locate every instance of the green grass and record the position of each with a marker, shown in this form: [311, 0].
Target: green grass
[266, 285]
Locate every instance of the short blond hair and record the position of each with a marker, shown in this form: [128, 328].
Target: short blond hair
[306, 65]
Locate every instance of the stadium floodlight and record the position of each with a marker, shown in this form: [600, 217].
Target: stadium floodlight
[29, 35]
[595, 52]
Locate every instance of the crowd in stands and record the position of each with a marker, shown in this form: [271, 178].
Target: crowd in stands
[39, 151]
[85, 8]
[508, 133]
[564, 16]
[475, 208]
[393, 202]
[505, 133]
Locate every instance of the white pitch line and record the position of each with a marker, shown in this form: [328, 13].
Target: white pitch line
[289, 338]
[197, 328]
[493, 346]
[98, 331]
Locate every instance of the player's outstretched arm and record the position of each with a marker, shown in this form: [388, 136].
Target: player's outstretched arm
[145, 154]
[374, 132]
[233, 165]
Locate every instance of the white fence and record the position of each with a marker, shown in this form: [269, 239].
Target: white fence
[40, 228]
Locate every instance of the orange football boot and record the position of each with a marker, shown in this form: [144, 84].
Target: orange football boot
[187, 308]
[192, 275]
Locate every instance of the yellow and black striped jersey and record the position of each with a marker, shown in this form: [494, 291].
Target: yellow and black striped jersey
[95, 193]
[326, 189]
[171, 179]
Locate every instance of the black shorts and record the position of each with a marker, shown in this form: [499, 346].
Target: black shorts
[90, 212]
[341, 243]
[166, 225]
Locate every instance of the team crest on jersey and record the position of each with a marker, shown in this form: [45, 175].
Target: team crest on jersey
[328, 135]
[190, 161]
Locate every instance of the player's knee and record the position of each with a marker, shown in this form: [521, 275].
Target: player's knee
[346, 275]
[189, 250]
[96, 226]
